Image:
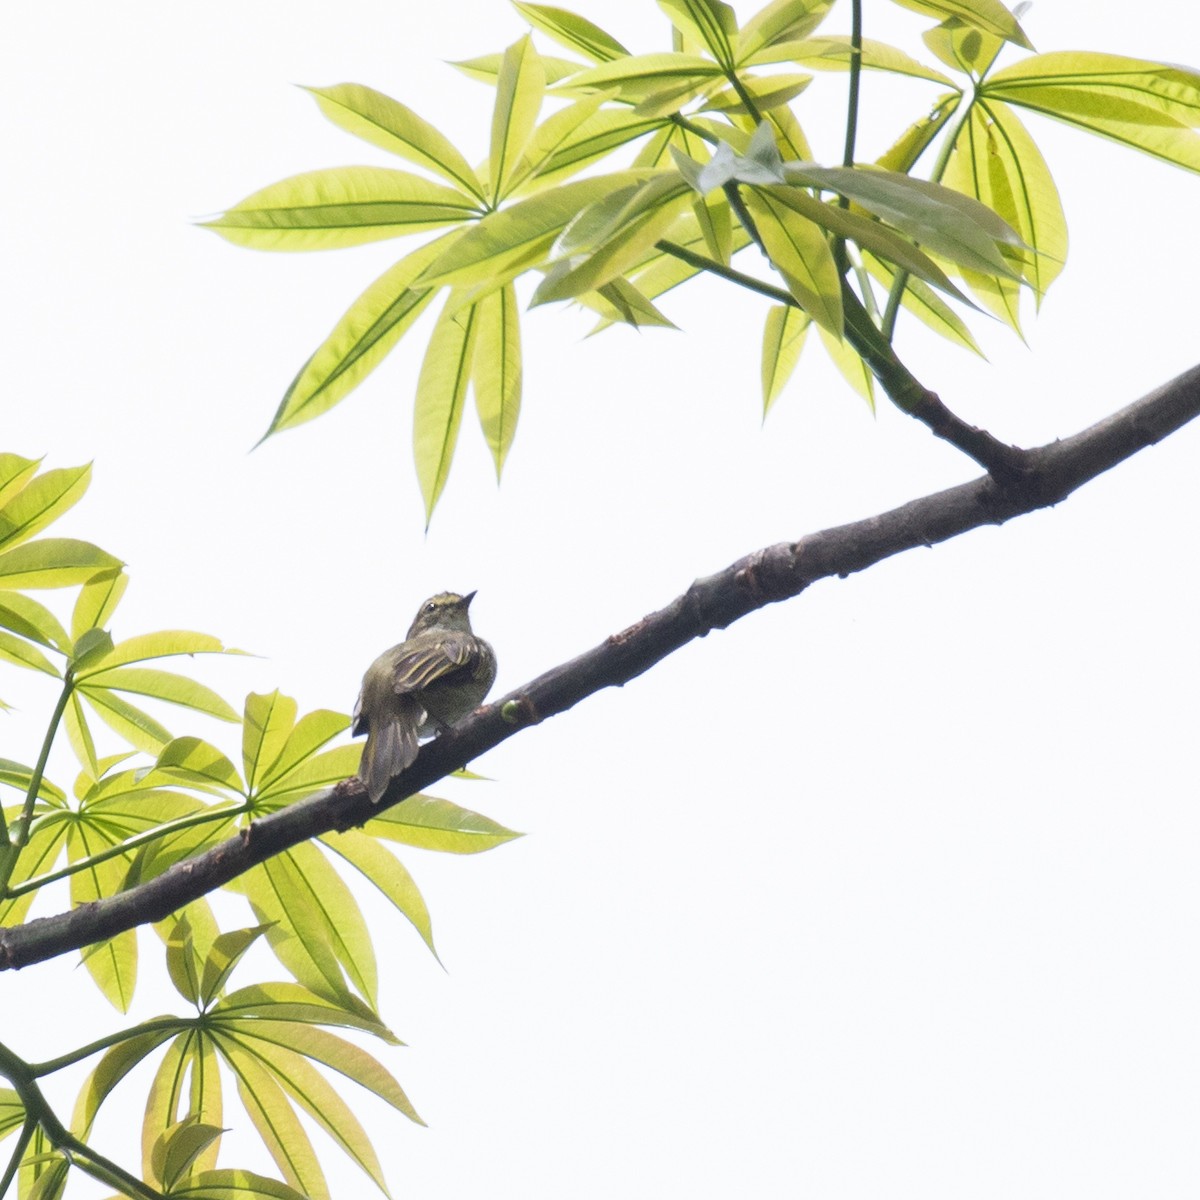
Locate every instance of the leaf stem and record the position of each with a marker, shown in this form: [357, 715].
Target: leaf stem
[170, 1024]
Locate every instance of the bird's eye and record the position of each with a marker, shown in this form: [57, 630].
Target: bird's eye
[431, 607]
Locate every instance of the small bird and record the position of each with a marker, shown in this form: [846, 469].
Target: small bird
[432, 679]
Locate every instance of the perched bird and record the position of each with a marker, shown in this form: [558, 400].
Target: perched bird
[432, 679]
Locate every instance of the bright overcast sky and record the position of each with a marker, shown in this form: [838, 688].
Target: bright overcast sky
[890, 890]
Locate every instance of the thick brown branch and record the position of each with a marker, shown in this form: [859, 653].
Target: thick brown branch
[1050, 474]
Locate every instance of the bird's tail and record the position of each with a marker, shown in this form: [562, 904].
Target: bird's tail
[391, 748]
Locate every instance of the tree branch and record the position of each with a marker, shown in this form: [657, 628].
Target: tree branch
[1051, 473]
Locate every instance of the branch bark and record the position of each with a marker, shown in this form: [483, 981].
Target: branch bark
[1050, 473]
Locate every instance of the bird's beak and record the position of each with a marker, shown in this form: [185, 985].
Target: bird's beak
[468, 598]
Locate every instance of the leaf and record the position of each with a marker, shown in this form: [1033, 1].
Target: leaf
[183, 963]
[496, 371]
[505, 243]
[783, 339]
[852, 368]
[162, 685]
[711, 22]
[138, 728]
[441, 391]
[520, 86]
[228, 1184]
[293, 1002]
[486, 68]
[198, 764]
[115, 1064]
[641, 77]
[939, 219]
[1150, 106]
[902, 155]
[388, 874]
[39, 855]
[320, 771]
[574, 32]
[30, 619]
[394, 127]
[227, 951]
[111, 963]
[177, 1148]
[433, 824]
[988, 15]
[277, 1125]
[600, 133]
[97, 600]
[801, 253]
[79, 735]
[266, 725]
[620, 300]
[310, 733]
[767, 93]
[996, 161]
[341, 206]
[52, 563]
[780, 21]
[15, 472]
[834, 53]
[41, 502]
[963, 47]
[20, 653]
[12, 1111]
[163, 644]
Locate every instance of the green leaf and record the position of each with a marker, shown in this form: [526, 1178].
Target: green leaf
[341, 206]
[574, 32]
[549, 138]
[79, 735]
[505, 243]
[782, 21]
[226, 953]
[15, 472]
[294, 1002]
[941, 220]
[20, 653]
[388, 874]
[963, 47]
[177, 1148]
[309, 734]
[138, 728]
[112, 963]
[519, 90]
[162, 685]
[163, 644]
[486, 68]
[30, 619]
[441, 390]
[852, 368]
[988, 15]
[800, 251]
[581, 144]
[641, 77]
[12, 1112]
[710, 22]
[768, 93]
[394, 127]
[620, 300]
[1150, 106]
[433, 824]
[198, 764]
[902, 155]
[97, 600]
[496, 370]
[116, 1063]
[41, 502]
[52, 563]
[91, 646]
[277, 1124]
[996, 161]
[320, 771]
[39, 855]
[230, 1184]
[183, 963]
[266, 726]
[783, 339]
[364, 335]
[834, 53]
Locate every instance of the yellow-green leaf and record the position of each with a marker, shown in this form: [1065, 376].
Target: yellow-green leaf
[199, 764]
[394, 127]
[41, 502]
[20, 653]
[116, 1063]
[266, 725]
[162, 685]
[177, 1149]
[235, 1184]
[903, 153]
[52, 563]
[226, 953]
[138, 728]
[434, 824]
[309, 734]
[783, 339]
[285, 1001]
[800, 251]
[496, 370]
[781, 21]
[97, 600]
[15, 472]
[711, 22]
[341, 206]
[79, 735]
[1150, 106]
[112, 963]
[834, 53]
[575, 32]
[31, 619]
[924, 303]
[441, 390]
[519, 89]
[183, 963]
[855, 372]
[642, 76]
[988, 15]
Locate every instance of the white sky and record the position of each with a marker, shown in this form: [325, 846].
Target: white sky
[890, 890]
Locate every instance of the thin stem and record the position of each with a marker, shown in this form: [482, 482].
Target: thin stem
[169, 1024]
[21, 833]
[744, 96]
[855, 75]
[14, 1163]
[130, 843]
[703, 263]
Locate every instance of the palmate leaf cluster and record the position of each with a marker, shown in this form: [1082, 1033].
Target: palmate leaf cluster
[722, 163]
[131, 815]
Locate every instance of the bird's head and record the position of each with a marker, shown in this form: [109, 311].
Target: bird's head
[446, 610]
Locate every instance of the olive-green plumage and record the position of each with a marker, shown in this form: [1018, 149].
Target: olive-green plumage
[431, 680]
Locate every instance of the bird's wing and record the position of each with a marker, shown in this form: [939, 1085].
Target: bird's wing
[433, 663]
[358, 718]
